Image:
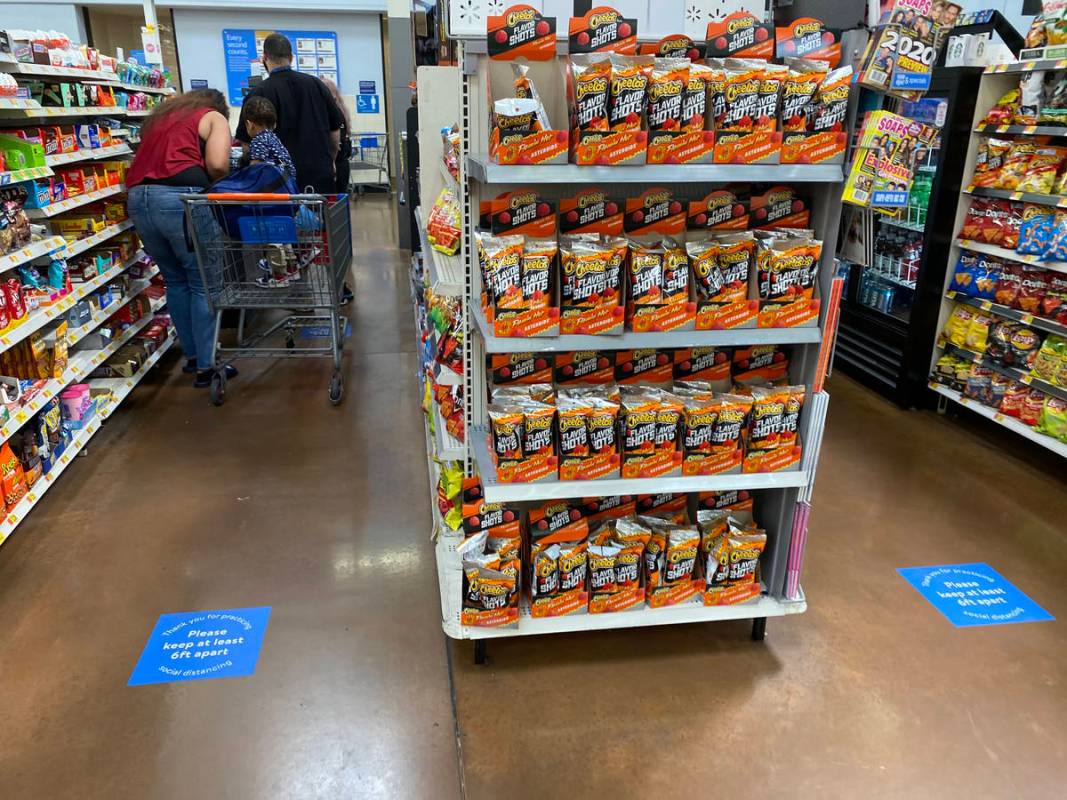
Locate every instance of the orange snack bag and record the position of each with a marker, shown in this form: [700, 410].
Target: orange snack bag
[646, 273]
[736, 259]
[666, 90]
[629, 91]
[505, 424]
[704, 258]
[768, 411]
[730, 422]
[798, 92]
[770, 92]
[1015, 165]
[501, 258]
[538, 262]
[592, 82]
[791, 415]
[695, 97]
[741, 95]
[585, 268]
[639, 413]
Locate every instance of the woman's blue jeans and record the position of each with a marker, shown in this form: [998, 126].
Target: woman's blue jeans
[158, 216]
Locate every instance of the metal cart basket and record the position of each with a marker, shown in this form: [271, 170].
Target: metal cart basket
[369, 164]
[268, 252]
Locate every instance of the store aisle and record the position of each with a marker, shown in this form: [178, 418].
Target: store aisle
[275, 499]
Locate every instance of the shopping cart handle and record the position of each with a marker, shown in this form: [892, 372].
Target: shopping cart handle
[253, 196]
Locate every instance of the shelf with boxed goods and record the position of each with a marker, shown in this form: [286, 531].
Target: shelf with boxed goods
[67, 432]
[27, 174]
[88, 154]
[80, 364]
[1001, 341]
[31, 251]
[78, 246]
[129, 295]
[70, 203]
[629, 345]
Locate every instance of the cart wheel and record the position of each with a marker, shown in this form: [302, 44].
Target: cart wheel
[218, 387]
[337, 388]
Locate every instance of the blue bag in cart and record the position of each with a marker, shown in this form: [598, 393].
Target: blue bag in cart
[258, 223]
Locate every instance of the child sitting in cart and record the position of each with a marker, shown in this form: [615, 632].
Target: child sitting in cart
[279, 265]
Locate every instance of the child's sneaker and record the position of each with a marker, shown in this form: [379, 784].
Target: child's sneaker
[270, 282]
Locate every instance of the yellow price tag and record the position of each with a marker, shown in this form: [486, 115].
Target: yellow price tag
[32, 497]
[951, 294]
[21, 416]
[12, 518]
[998, 417]
[1027, 319]
[1016, 195]
[964, 400]
[986, 305]
[1027, 379]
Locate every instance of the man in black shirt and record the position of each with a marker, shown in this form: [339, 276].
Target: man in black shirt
[309, 121]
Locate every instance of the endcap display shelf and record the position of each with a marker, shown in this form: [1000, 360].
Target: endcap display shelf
[451, 95]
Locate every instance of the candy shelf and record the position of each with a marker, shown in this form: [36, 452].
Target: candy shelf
[89, 242]
[121, 388]
[28, 174]
[46, 70]
[80, 364]
[1013, 425]
[89, 154]
[485, 171]
[38, 319]
[1010, 255]
[634, 341]
[31, 251]
[1031, 320]
[103, 315]
[17, 103]
[38, 111]
[74, 202]
[140, 112]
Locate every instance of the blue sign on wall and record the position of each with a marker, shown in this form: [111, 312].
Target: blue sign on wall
[314, 52]
[197, 645]
[973, 594]
[368, 87]
[367, 104]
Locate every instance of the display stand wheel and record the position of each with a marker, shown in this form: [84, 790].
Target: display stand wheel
[759, 629]
[337, 388]
[218, 387]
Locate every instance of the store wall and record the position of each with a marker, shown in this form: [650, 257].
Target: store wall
[359, 41]
[63, 17]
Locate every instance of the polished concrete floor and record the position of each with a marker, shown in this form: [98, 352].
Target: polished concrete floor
[278, 499]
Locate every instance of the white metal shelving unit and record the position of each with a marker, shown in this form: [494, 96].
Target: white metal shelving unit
[996, 80]
[460, 94]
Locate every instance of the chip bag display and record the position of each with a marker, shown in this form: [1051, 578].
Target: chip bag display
[799, 88]
[666, 92]
[629, 91]
[591, 84]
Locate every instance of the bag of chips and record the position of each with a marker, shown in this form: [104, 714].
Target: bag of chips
[516, 115]
[1008, 285]
[1042, 169]
[1053, 419]
[1003, 113]
[1031, 97]
[798, 93]
[977, 338]
[741, 95]
[591, 82]
[666, 90]
[991, 155]
[1048, 359]
[695, 99]
[979, 385]
[1054, 304]
[1033, 283]
[629, 91]
[830, 105]
[1014, 398]
[959, 322]
[525, 88]
[999, 347]
[1024, 346]
[765, 420]
[1036, 231]
[770, 92]
[1015, 165]
[1033, 405]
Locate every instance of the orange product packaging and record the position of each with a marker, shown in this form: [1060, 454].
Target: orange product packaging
[590, 89]
[806, 38]
[616, 566]
[695, 98]
[741, 95]
[522, 441]
[490, 584]
[655, 211]
[831, 101]
[748, 147]
[520, 368]
[676, 45]
[646, 366]
[522, 212]
[722, 271]
[787, 267]
[671, 565]
[701, 411]
[709, 364]
[659, 287]
[671, 507]
[591, 285]
[630, 77]
[588, 436]
[724, 209]
[558, 560]
[770, 94]
[666, 92]
[501, 266]
[791, 415]
[526, 88]
[739, 503]
[521, 31]
[741, 34]
[650, 420]
[602, 29]
[778, 207]
[761, 363]
[766, 418]
[677, 114]
[731, 560]
[585, 367]
[535, 313]
[798, 93]
[597, 509]
[591, 210]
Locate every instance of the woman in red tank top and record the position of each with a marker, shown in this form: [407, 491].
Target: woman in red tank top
[185, 146]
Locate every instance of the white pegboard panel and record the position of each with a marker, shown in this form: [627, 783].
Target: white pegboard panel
[655, 18]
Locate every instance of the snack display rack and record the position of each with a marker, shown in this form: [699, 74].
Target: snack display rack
[87, 353]
[461, 95]
[995, 81]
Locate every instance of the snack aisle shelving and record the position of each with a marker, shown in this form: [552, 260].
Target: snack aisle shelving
[121, 388]
[84, 355]
[995, 81]
[460, 95]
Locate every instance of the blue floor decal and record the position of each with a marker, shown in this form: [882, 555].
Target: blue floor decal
[197, 645]
[973, 594]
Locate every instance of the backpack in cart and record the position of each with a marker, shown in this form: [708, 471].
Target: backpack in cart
[259, 223]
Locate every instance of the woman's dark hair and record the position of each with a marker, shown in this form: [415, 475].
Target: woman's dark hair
[261, 111]
[188, 101]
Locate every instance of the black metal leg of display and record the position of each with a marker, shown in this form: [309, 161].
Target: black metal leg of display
[759, 629]
[479, 651]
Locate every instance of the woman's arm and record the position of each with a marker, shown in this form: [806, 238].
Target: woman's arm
[215, 131]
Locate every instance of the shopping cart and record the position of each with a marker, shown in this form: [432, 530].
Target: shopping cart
[369, 164]
[262, 252]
